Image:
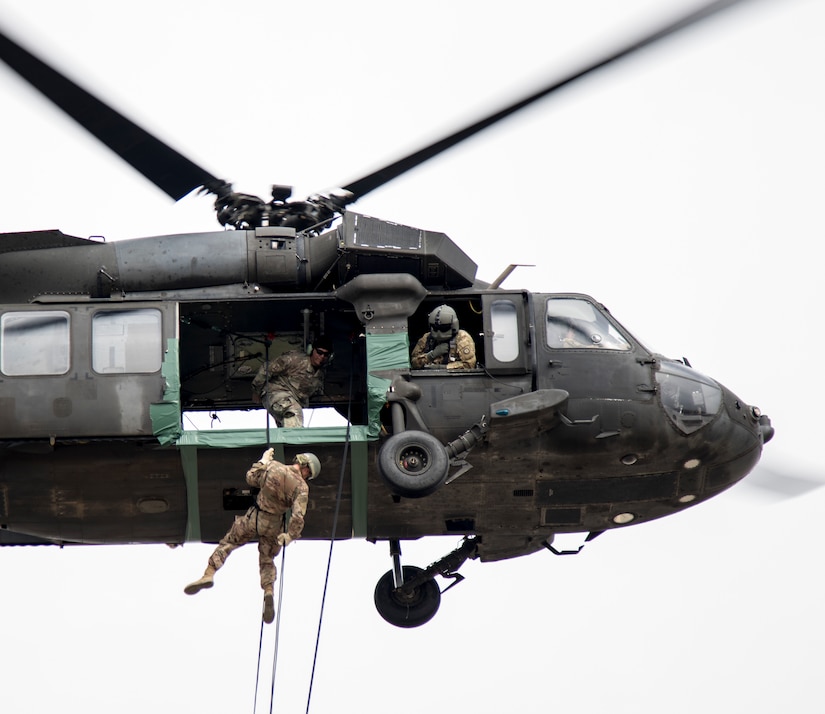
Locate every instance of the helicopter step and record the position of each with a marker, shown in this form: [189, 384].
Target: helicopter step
[408, 596]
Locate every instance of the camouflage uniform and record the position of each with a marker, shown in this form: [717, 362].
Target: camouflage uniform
[281, 489]
[461, 355]
[292, 381]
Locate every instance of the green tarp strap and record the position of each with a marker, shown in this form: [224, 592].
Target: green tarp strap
[384, 352]
[165, 415]
[190, 442]
[238, 438]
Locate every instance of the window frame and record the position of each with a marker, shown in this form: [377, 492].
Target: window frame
[37, 351]
[123, 366]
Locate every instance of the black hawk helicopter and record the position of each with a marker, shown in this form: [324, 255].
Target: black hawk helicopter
[568, 423]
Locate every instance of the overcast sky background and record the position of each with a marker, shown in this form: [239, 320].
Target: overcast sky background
[683, 188]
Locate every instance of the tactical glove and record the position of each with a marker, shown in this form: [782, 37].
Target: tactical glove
[439, 351]
[284, 539]
[267, 456]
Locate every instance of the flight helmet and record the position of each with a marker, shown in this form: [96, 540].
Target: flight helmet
[443, 323]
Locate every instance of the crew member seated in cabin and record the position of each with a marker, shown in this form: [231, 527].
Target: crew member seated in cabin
[445, 345]
[285, 384]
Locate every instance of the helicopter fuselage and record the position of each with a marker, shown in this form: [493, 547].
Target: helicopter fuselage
[567, 424]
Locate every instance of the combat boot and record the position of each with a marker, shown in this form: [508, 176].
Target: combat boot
[205, 581]
[269, 605]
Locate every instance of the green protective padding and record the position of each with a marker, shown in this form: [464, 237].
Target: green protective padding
[237, 438]
[360, 463]
[190, 441]
[165, 415]
[384, 352]
[189, 463]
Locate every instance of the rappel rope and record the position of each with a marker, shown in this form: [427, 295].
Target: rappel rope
[265, 390]
[277, 637]
[258, 669]
[283, 561]
[334, 531]
[277, 630]
[329, 565]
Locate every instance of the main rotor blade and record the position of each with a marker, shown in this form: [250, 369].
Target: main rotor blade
[170, 171]
[378, 178]
[783, 485]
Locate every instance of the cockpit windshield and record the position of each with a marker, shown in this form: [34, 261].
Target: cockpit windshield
[573, 323]
[690, 399]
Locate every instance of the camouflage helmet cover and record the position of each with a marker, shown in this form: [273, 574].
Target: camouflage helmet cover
[310, 460]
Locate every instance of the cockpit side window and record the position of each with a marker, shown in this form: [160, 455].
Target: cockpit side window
[573, 323]
[690, 399]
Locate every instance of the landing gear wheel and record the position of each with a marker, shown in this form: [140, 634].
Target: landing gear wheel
[401, 609]
[413, 463]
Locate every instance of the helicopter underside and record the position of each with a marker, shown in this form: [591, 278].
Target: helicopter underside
[116, 492]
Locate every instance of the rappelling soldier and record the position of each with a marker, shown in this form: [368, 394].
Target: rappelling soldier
[445, 345]
[282, 488]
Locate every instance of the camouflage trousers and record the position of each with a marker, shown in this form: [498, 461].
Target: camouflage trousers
[266, 527]
[284, 408]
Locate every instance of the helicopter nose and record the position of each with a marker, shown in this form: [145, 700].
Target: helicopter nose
[764, 426]
[742, 435]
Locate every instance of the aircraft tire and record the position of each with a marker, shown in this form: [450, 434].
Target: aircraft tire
[410, 610]
[413, 463]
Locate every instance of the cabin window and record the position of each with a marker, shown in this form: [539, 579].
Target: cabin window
[504, 322]
[577, 324]
[127, 341]
[34, 343]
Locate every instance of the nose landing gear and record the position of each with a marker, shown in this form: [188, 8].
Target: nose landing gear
[409, 596]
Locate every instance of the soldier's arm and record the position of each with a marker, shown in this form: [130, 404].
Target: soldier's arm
[270, 369]
[256, 473]
[299, 509]
[319, 389]
[259, 380]
[419, 356]
[465, 352]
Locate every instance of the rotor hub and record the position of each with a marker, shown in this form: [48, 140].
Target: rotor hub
[245, 211]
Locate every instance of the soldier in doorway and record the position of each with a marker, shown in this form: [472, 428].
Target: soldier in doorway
[285, 384]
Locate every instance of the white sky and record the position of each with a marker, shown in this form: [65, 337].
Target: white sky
[682, 188]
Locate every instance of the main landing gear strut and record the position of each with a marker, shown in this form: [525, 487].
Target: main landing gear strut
[409, 596]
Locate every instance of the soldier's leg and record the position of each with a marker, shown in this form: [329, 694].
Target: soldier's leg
[281, 406]
[295, 419]
[293, 414]
[241, 531]
[268, 548]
